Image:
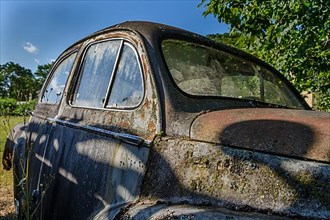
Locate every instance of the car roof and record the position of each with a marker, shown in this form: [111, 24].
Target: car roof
[145, 28]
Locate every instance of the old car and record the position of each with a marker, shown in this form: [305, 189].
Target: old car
[146, 121]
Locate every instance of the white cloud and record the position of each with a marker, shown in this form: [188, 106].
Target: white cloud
[29, 47]
[37, 61]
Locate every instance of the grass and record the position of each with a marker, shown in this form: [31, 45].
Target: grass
[4, 128]
[6, 177]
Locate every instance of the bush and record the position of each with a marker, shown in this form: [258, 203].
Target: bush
[10, 107]
[7, 106]
[25, 108]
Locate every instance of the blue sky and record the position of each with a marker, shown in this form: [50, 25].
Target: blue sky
[36, 32]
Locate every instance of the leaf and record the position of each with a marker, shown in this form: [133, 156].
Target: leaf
[21, 181]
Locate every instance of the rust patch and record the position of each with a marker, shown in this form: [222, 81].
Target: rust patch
[151, 127]
[124, 124]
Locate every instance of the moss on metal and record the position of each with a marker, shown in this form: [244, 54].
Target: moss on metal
[200, 172]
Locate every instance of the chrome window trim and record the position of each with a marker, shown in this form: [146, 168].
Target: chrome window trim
[112, 78]
[127, 138]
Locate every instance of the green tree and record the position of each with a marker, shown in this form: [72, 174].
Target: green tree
[20, 83]
[229, 39]
[292, 35]
[41, 74]
[16, 82]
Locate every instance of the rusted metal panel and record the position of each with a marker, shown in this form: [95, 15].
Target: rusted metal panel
[296, 133]
[79, 171]
[192, 172]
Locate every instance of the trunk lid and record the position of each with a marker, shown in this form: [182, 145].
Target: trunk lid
[295, 133]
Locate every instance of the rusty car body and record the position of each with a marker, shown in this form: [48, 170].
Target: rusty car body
[143, 120]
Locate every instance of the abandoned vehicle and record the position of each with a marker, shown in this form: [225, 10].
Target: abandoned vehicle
[143, 120]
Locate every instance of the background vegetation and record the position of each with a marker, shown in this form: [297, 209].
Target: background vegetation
[19, 88]
[293, 36]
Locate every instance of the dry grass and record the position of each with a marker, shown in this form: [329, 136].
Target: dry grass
[6, 177]
[7, 196]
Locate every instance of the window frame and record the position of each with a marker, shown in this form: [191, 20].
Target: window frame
[51, 76]
[112, 78]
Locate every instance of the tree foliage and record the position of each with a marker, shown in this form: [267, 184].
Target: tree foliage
[20, 83]
[41, 74]
[16, 82]
[292, 35]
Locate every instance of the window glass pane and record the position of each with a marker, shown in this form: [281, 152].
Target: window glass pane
[240, 86]
[127, 89]
[54, 90]
[204, 71]
[97, 69]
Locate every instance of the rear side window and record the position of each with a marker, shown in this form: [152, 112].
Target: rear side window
[127, 89]
[96, 73]
[111, 77]
[54, 90]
